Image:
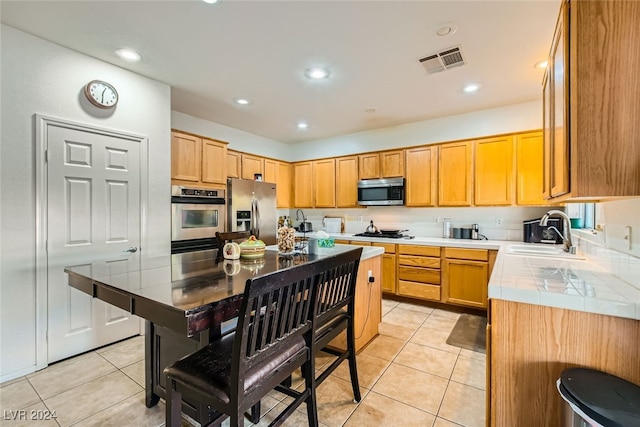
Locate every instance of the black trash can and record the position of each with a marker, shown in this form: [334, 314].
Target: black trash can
[594, 398]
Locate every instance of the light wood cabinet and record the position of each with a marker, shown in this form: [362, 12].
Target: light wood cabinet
[388, 283]
[421, 181]
[347, 182]
[454, 174]
[185, 157]
[419, 272]
[465, 276]
[531, 345]
[283, 184]
[588, 88]
[214, 162]
[324, 188]
[280, 174]
[197, 161]
[233, 164]
[529, 169]
[368, 305]
[385, 164]
[270, 167]
[392, 164]
[493, 171]
[303, 188]
[251, 165]
[369, 166]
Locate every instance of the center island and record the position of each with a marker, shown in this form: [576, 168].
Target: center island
[184, 315]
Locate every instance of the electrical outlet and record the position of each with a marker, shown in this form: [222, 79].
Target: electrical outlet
[436, 219]
[360, 218]
[627, 236]
[498, 222]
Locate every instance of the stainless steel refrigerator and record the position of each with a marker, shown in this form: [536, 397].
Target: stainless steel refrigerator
[251, 206]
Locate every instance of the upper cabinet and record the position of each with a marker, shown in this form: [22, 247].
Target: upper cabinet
[590, 116]
[454, 174]
[303, 185]
[324, 178]
[386, 164]
[197, 160]
[529, 169]
[280, 174]
[493, 171]
[233, 164]
[347, 182]
[251, 166]
[421, 178]
[185, 157]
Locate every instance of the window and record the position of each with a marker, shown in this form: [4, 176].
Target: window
[584, 211]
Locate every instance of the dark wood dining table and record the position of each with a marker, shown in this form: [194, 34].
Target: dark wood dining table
[184, 315]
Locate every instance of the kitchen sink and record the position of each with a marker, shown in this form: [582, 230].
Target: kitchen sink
[554, 251]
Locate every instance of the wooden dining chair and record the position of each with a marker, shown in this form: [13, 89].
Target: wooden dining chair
[272, 340]
[332, 314]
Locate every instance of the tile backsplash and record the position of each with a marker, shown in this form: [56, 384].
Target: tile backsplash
[427, 222]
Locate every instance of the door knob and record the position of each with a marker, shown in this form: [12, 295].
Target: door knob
[132, 249]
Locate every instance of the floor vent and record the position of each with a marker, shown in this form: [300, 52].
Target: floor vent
[443, 60]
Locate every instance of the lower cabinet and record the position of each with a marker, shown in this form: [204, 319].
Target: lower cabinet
[465, 276]
[389, 264]
[419, 272]
[368, 306]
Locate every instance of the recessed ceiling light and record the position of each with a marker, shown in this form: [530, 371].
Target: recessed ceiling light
[242, 101]
[446, 29]
[541, 64]
[128, 55]
[471, 88]
[210, 1]
[302, 125]
[317, 73]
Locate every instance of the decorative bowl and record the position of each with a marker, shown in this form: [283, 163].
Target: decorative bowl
[252, 248]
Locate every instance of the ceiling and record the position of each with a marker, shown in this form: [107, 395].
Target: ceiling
[213, 54]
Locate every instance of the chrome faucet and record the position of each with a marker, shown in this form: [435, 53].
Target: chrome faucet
[300, 211]
[566, 238]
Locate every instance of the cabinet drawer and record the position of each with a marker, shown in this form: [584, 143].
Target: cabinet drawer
[419, 250]
[389, 248]
[359, 243]
[417, 274]
[419, 261]
[341, 242]
[472, 254]
[419, 290]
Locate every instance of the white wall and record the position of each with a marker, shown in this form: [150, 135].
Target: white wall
[42, 77]
[513, 118]
[238, 139]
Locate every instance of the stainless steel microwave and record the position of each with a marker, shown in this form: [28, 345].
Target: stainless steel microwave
[381, 192]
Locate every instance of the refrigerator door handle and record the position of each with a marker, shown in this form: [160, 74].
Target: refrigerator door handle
[257, 216]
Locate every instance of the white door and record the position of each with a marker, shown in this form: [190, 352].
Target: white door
[93, 213]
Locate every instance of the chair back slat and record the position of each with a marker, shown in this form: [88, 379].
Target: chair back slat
[336, 288]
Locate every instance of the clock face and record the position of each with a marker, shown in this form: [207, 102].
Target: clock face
[101, 94]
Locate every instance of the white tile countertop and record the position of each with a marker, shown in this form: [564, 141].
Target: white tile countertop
[554, 279]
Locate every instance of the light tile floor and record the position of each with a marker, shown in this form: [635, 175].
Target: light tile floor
[408, 376]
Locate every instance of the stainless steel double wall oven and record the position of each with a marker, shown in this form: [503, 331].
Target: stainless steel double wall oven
[196, 215]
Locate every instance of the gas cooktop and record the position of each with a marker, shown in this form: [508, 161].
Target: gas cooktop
[385, 235]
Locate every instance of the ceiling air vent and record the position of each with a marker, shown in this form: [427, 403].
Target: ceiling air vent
[443, 60]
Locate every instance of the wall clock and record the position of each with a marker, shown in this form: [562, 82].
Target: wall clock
[101, 94]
